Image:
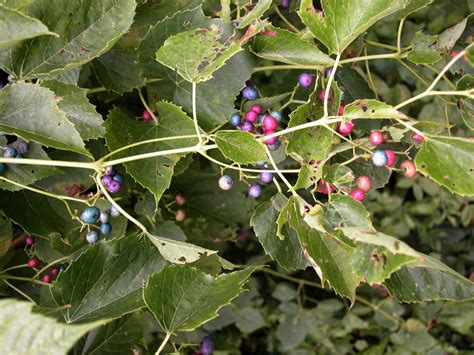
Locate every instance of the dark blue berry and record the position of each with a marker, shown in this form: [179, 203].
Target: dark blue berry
[92, 237]
[62, 267]
[249, 93]
[104, 217]
[266, 177]
[226, 182]
[235, 119]
[305, 80]
[3, 167]
[114, 212]
[206, 347]
[105, 228]
[118, 178]
[254, 190]
[10, 152]
[23, 147]
[90, 215]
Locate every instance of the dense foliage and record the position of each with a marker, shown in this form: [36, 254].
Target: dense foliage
[236, 176]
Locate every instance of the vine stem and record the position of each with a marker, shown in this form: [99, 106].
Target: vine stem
[280, 174]
[44, 162]
[399, 35]
[21, 292]
[163, 343]
[328, 87]
[285, 20]
[196, 124]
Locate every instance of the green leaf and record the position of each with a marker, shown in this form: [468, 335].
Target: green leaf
[118, 336]
[255, 13]
[464, 104]
[287, 47]
[458, 316]
[30, 111]
[448, 38]
[25, 332]
[407, 7]
[449, 161]
[27, 174]
[16, 27]
[86, 30]
[371, 109]
[183, 298]
[105, 281]
[287, 251]
[429, 280]
[329, 257]
[78, 109]
[337, 174]
[341, 22]
[424, 50]
[240, 147]
[268, 102]
[344, 211]
[198, 53]
[153, 173]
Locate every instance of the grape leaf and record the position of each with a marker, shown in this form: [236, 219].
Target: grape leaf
[344, 211]
[284, 46]
[255, 13]
[240, 147]
[16, 27]
[25, 332]
[30, 111]
[78, 109]
[371, 109]
[86, 29]
[105, 281]
[407, 7]
[183, 298]
[424, 50]
[449, 161]
[153, 173]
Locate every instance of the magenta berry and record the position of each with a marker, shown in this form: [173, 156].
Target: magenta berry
[22, 147]
[251, 116]
[364, 183]
[358, 195]
[345, 128]
[271, 140]
[47, 278]
[179, 199]
[106, 180]
[30, 240]
[146, 116]
[33, 262]
[376, 137]
[246, 126]
[323, 187]
[269, 123]
[322, 93]
[340, 112]
[305, 80]
[417, 138]
[257, 109]
[408, 168]
[206, 346]
[254, 190]
[54, 271]
[391, 158]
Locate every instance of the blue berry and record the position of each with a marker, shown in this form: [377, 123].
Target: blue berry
[249, 93]
[235, 119]
[62, 267]
[254, 190]
[276, 115]
[3, 167]
[206, 347]
[10, 152]
[92, 237]
[379, 158]
[226, 182]
[118, 178]
[305, 80]
[104, 217]
[23, 147]
[110, 170]
[114, 212]
[105, 228]
[90, 215]
[266, 177]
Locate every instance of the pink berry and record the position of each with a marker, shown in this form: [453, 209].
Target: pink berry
[364, 183]
[257, 109]
[391, 157]
[30, 240]
[376, 137]
[323, 187]
[54, 271]
[322, 93]
[146, 116]
[179, 199]
[271, 140]
[345, 127]
[417, 138]
[33, 262]
[358, 195]
[269, 123]
[251, 116]
[340, 112]
[47, 278]
[409, 168]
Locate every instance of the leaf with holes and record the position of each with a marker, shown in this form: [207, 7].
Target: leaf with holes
[183, 297]
[255, 13]
[371, 109]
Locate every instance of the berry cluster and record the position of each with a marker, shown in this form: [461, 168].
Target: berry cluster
[34, 262]
[92, 215]
[112, 180]
[16, 150]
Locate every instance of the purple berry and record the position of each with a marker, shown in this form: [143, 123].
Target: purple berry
[22, 147]
[327, 72]
[266, 177]
[10, 152]
[305, 80]
[206, 347]
[246, 126]
[284, 4]
[254, 190]
[249, 93]
[225, 182]
[114, 187]
[106, 180]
